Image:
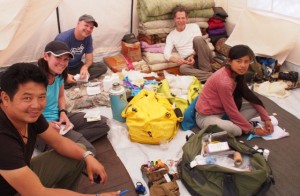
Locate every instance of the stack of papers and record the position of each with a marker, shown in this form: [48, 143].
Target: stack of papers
[277, 133]
[92, 116]
[63, 130]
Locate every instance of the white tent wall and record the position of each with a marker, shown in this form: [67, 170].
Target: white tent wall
[33, 24]
[113, 17]
[290, 9]
[26, 26]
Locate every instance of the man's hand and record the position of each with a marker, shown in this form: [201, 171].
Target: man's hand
[180, 61]
[94, 167]
[55, 125]
[70, 79]
[190, 60]
[84, 73]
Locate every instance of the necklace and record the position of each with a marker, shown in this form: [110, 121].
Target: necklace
[25, 135]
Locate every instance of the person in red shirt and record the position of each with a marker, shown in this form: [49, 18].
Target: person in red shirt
[226, 94]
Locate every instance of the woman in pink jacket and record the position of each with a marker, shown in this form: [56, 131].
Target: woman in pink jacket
[226, 94]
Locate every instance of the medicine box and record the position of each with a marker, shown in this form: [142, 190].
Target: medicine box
[217, 147]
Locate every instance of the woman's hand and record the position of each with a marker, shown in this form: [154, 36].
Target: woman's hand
[63, 119]
[261, 132]
[269, 126]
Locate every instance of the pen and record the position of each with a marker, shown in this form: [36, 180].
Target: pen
[123, 192]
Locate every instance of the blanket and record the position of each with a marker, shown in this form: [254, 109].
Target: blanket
[154, 58]
[158, 7]
[203, 13]
[161, 30]
[77, 98]
[276, 89]
[167, 23]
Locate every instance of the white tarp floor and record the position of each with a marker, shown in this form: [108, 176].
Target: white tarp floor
[133, 154]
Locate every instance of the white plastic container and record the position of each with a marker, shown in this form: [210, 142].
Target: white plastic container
[108, 81]
[115, 78]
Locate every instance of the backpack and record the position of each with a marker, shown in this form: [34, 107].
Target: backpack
[151, 119]
[189, 116]
[212, 179]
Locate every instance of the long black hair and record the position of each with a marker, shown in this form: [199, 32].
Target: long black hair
[43, 65]
[242, 90]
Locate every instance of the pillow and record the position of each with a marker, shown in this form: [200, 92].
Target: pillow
[116, 63]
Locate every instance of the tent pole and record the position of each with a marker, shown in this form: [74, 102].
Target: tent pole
[58, 21]
[131, 16]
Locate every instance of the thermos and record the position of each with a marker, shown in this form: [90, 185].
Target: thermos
[118, 101]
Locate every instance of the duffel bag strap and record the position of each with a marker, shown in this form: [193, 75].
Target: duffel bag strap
[266, 186]
[179, 114]
[229, 185]
[194, 174]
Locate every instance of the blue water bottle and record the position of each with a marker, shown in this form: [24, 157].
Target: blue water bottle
[118, 101]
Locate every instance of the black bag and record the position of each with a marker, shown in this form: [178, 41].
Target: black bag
[212, 179]
[129, 38]
[290, 76]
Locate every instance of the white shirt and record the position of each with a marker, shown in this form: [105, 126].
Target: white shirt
[182, 41]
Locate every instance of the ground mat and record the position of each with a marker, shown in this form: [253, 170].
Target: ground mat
[118, 177]
[284, 156]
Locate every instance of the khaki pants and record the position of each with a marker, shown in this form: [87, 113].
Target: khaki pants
[55, 170]
[247, 110]
[202, 68]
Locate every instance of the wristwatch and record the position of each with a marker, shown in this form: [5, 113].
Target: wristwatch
[87, 153]
[62, 110]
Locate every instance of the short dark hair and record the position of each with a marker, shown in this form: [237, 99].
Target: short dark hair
[180, 8]
[21, 73]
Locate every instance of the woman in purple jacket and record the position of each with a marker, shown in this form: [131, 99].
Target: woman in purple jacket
[226, 94]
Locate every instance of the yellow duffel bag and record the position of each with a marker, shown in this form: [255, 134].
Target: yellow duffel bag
[151, 119]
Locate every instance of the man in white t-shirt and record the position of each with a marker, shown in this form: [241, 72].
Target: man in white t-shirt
[195, 55]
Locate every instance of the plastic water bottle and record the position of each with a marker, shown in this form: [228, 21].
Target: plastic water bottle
[107, 83]
[118, 101]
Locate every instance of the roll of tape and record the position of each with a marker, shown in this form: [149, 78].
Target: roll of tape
[238, 160]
